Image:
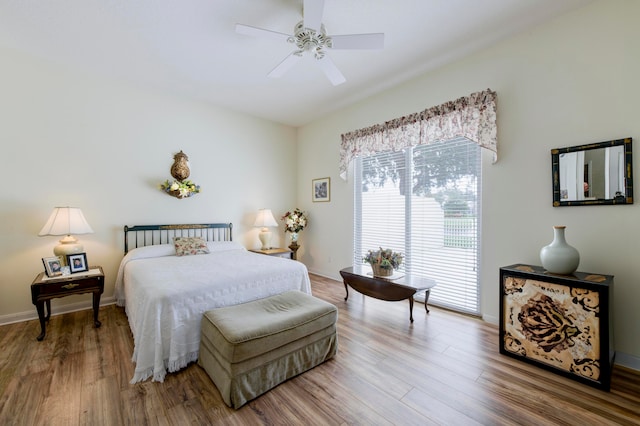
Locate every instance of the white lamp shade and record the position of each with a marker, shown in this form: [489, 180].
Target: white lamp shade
[66, 221]
[265, 218]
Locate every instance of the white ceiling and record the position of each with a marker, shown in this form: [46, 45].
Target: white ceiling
[190, 48]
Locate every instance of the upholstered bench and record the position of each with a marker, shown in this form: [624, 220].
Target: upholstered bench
[250, 348]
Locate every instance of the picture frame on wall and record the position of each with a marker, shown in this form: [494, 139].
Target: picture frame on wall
[52, 266]
[321, 190]
[77, 262]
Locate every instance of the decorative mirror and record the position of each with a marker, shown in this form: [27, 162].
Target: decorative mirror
[598, 173]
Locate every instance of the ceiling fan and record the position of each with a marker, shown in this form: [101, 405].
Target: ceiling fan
[309, 36]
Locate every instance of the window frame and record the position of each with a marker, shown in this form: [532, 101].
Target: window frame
[408, 266]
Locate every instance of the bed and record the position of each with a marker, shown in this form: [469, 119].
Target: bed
[165, 294]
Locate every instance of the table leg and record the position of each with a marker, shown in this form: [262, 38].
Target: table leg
[48, 305]
[346, 289]
[96, 307]
[411, 308]
[41, 317]
[426, 299]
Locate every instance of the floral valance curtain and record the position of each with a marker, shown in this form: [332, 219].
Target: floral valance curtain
[472, 117]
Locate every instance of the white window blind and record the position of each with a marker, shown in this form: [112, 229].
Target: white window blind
[425, 203]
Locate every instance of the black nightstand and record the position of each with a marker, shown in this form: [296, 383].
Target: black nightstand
[44, 288]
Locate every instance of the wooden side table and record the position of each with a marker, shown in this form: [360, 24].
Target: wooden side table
[44, 288]
[278, 252]
[388, 289]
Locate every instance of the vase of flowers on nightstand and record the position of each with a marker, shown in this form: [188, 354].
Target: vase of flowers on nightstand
[294, 222]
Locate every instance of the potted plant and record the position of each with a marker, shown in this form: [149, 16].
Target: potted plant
[383, 261]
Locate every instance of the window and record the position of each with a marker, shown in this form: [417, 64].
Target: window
[425, 202]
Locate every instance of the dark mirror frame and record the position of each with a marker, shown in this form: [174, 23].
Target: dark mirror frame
[627, 198]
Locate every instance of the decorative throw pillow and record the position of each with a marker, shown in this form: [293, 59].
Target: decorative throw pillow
[186, 246]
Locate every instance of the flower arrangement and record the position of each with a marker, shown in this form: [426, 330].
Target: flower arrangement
[294, 221]
[180, 189]
[383, 258]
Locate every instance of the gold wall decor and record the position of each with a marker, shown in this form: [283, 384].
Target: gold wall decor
[181, 187]
[180, 168]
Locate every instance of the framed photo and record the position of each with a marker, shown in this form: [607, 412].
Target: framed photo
[77, 262]
[52, 266]
[321, 189]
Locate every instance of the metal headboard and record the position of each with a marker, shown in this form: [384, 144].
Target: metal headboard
[150, 235]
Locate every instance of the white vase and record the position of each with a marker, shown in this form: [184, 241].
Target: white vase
[559, 257]
[294, 237]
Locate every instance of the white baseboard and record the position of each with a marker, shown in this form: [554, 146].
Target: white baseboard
[626, 360]
[335, 278]
[490, 319]
[59, 310]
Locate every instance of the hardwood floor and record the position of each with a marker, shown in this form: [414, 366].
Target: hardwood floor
[444, 368]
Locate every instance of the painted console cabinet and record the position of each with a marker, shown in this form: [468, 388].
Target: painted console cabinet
[558, 322]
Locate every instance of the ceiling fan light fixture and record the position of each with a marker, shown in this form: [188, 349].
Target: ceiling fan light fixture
[310, 36]
[310, 40]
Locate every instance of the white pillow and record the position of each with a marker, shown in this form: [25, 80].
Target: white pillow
[224, 246]
[158, 250]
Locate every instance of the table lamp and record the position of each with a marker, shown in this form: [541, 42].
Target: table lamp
[66, 221]
[265, 219]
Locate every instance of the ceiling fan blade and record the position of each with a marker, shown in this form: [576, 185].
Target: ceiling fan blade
[285, 65]
[358, 41]
[331, 71]
[260, 32]
[312, 12]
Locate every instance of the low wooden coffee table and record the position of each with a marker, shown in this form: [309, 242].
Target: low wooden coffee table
[362, 280]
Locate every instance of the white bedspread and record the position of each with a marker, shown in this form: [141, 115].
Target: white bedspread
[165, 296]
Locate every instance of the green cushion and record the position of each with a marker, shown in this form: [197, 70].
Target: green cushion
[244, 331]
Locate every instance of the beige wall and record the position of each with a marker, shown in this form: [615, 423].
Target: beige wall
[72, 139]
[569, 82]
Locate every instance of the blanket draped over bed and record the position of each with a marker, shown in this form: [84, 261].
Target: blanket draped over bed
[165, 296]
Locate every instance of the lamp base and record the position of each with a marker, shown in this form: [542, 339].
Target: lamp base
[265, 239]
[67, 246]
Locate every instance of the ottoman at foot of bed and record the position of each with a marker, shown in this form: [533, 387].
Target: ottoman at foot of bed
[251, 348]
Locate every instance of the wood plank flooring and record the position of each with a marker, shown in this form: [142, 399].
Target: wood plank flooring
[443, 369]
